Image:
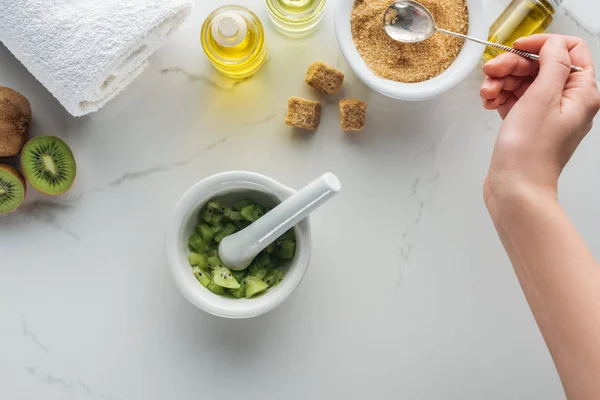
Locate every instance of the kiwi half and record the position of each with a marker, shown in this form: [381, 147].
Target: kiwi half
[48, 165]
[12, 189]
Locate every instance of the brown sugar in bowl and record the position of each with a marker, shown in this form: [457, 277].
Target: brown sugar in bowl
[467, 60]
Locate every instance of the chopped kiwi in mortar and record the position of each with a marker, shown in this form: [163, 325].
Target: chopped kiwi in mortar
[215, 222]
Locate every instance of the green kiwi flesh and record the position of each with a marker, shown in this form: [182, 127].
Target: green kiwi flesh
[254, 286]
[48, 165]
[12, 189]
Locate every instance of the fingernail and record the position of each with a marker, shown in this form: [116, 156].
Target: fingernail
[486, 84]
[491, 62]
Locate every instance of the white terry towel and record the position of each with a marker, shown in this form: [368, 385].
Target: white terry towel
[87, 51]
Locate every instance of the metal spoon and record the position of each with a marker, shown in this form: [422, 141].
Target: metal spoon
[411, 22]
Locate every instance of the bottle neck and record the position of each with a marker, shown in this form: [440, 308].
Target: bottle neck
[229, 28]
[556, 3]
[551, 5]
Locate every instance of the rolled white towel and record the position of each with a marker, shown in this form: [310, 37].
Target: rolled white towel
[87, 51]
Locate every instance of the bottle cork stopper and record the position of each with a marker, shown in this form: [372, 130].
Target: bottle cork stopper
[229, 29]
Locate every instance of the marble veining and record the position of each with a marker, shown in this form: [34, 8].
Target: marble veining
[190, 76]
[31, 335]
[593, 34]
[47, 212]
[71, 385]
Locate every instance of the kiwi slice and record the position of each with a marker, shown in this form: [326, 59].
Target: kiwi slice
[214, 261]
[222, 276]
[216, 289]
[273, 277]
[288, 249]
[48, 164]
[257, 270]
[206, 233]
[226, 231]
[240, 275]
[239, 292]
[254, 286]
[198, 260]
[12, 188]
[203, 276]
[196, 242]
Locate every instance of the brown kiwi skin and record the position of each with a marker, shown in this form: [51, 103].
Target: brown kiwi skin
[15, 172]
[41, 191]
[15, 116]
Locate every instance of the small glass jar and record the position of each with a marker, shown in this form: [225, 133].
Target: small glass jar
[234, 41]
[521, 18]
[295, 18]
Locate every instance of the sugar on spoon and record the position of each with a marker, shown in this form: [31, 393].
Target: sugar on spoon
[410, 22]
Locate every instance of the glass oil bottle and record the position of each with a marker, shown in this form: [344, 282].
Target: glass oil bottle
[234, 41]
[295, 18]
[520, 18]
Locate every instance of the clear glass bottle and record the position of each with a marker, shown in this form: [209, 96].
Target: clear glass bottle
[295, 18]
[234, 41]
[520, 18]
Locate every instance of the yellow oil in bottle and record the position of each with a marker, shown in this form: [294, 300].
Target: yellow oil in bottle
[234, 41]
[521, 18]
[295, 18]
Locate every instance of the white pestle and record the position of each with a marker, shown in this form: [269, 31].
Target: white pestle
[238, 250]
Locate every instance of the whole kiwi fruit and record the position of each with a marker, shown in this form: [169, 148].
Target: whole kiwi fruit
[15, 116]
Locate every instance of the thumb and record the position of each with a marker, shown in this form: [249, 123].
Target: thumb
[555, 68]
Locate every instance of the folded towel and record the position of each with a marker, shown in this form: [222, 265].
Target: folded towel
[87, 51]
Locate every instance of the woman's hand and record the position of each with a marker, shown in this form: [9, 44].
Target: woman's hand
[547, 111]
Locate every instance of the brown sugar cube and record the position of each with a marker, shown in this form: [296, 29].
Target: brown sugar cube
[304, 114]
[352, 114]
[324, 78]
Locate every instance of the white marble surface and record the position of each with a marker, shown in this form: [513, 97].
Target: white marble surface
[409, 294]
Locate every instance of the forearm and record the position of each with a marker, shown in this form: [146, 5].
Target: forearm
[561, 281]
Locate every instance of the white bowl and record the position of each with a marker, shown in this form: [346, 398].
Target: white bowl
[468, 58]
[235, 184]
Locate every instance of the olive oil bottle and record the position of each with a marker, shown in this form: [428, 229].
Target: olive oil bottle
[234, 41]
[520, 18]
[295, 18]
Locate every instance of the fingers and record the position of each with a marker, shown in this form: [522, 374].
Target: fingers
[555, 68]
[510, 64]
[582, 87]
[577, 47]
[522, 89]
[579, 52]
[493, 104]
[510, 77]
[504, 100]
[581, 56]
[503, 103]
[505, 108]
[491, 87]
[534, 43]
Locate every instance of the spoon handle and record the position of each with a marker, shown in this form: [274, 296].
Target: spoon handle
[521, 53]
